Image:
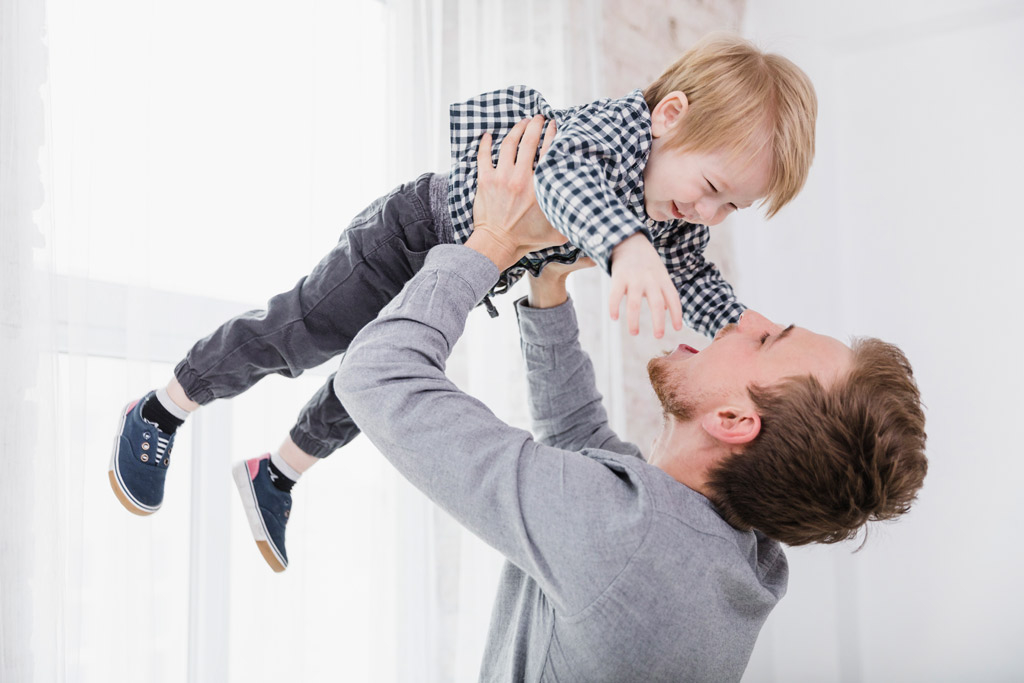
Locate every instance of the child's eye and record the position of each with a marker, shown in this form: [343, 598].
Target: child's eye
[713, 188]
[764, 338]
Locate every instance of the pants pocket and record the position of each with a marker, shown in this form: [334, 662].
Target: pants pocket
[415, 259]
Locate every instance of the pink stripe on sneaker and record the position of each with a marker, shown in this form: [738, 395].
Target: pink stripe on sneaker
[254, 465]
[134, 403]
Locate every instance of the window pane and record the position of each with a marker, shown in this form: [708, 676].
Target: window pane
[332, 614]
[216, 148]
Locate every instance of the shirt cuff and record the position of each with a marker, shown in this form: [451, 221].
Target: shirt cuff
[547, 326]
[478, 271]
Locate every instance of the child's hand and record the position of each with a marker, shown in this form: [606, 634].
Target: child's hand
[638, 273]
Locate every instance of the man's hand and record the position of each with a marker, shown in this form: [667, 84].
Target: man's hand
[507, 223]
[638, 273]
[547, 290]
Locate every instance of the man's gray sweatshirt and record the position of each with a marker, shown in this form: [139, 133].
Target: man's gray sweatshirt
[615, 571]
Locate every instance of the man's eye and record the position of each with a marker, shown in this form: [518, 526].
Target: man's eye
[764, 338]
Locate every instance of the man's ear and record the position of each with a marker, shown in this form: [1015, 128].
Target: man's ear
[732, 425]
[667, 114]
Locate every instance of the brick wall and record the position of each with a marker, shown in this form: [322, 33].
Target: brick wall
[639, 39]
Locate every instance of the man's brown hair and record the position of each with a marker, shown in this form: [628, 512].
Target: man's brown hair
[743, 100]
[828, 460]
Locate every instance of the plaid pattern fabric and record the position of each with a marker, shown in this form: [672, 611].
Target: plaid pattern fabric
[590, 186]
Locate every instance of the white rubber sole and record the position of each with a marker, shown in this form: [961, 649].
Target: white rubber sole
[114, 474]
[240, 473]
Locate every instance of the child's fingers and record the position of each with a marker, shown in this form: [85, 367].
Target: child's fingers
[483, 155]
[675, 307]
[510, 146]
[615, 299]
[656, 303]
[633, 306]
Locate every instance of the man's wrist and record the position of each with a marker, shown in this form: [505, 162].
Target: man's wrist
[546, 326]
[545, 293]
[501, 253]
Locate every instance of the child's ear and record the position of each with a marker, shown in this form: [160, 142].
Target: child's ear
[732, 425]
[668, 113]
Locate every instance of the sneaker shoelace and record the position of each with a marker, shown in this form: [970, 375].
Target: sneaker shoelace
[161, 447]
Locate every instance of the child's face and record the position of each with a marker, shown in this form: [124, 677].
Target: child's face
[701, 187]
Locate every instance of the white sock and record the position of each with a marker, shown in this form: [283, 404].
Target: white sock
[169, 405]
[283, 467]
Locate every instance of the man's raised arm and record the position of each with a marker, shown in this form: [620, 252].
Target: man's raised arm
[534, 503]
[565, 405]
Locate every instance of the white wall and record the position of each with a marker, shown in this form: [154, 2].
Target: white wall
[909, 229]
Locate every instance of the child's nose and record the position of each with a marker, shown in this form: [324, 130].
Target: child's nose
[704, 212]
[709, 211]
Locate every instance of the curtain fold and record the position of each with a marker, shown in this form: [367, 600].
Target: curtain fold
[31, 557]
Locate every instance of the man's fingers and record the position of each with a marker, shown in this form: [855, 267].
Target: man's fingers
[483, 155]
[524, 137]
[549, 136]
[528, 146]
[510, 145]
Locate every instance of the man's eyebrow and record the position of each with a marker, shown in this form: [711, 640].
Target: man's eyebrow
[782, 335]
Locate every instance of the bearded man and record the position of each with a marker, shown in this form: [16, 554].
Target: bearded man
[622, 567]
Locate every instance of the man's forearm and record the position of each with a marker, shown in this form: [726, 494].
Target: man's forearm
[565, 405]
[392, 382]
[547, 292]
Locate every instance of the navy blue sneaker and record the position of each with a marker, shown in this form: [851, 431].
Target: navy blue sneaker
[266, 507]
[138, 465]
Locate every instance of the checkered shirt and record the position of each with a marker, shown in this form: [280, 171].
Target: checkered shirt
[590, 186]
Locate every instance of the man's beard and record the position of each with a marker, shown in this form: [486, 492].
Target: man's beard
[669, 392]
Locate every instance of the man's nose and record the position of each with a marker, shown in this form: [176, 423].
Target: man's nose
[753, 323]
[728, 329]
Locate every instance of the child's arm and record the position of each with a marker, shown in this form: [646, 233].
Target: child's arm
[638, 273]
[596, 156]
[581, 183]
[708, 300]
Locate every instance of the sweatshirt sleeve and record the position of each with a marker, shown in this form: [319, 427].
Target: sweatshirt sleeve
[570, 521]
[566, 408]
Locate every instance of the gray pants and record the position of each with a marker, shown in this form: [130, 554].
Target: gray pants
[377, 254]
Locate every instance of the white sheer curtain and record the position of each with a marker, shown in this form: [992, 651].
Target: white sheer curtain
[446, 51]
[33, 490]
[162, 167]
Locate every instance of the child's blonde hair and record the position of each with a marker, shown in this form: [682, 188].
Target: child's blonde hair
[742, 99]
